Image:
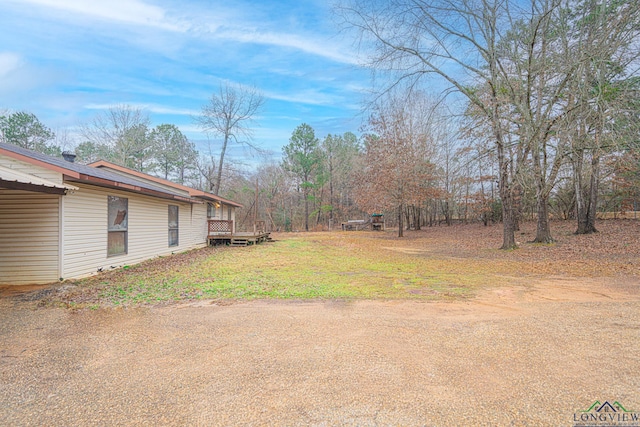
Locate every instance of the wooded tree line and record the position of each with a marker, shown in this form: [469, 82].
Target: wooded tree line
[539, 120]
[550, 86]
[121, 135]
[413, 163]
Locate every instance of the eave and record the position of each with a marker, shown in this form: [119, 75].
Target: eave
[101, 182]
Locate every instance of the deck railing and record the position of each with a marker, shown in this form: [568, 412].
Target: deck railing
[219, 226]
[260, 227]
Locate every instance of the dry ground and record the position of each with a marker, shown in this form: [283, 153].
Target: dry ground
[534, 351]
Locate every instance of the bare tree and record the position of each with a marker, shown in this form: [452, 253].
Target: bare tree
[229, 114]
[340, 156]
[121, 133]
[456, 40]
[513, 62]
[397, 152]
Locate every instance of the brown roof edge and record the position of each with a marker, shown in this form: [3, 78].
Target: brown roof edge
[192, 191]
[213, 197]
[101, 182]
[40, 163]
[14, 185]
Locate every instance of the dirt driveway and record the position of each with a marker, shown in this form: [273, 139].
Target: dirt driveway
[532, 355]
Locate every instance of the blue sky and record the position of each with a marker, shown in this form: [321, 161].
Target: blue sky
[66, 60]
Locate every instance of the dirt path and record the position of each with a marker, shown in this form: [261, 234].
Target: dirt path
[526, 355]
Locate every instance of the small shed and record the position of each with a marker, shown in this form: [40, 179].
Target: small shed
[377, 222]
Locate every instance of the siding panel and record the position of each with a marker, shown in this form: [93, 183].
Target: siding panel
[85, 230]
[29, 225]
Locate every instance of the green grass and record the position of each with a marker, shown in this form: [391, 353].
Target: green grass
[301, 267]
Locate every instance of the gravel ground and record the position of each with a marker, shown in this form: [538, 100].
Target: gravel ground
[518, 356]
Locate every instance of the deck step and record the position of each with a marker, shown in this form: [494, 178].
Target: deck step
[239, 242]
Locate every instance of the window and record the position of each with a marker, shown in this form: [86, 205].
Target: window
[118, 225]
[173, 225]
[211, 210]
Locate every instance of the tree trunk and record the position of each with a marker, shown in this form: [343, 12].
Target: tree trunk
[305, 194]
[508, 212]
[319, 216]
[408, 216]
[216, 190]
[586, 210]
[446, 212]
[593, 194]
[581, 208]
[400, 220]
[508, 225]
[331, 192]
[517, 206]
[543, 232]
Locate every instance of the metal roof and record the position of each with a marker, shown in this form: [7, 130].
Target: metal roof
[12, 175]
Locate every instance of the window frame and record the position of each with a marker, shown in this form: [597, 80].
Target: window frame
[117, 225]
[173, 228]
[211, 210]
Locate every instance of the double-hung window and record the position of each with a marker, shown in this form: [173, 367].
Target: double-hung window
[118, 225]
[173, 225]
[211, 210]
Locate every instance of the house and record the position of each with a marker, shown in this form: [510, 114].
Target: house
[62, 220]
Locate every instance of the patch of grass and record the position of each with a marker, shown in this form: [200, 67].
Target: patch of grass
[434, 264]
[327, 266]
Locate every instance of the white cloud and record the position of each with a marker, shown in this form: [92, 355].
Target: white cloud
[294, 41]
[9, 62]
[18, 76]
[152, 108]
[126, 11]
[311, 97]
[226, 24]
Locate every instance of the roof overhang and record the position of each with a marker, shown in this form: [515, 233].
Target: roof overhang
[215, 199]
[101, 182]
[16, 180]
[199, 194]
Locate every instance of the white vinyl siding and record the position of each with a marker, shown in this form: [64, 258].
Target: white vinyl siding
[29, 224]
[199, 226]
[85, 230]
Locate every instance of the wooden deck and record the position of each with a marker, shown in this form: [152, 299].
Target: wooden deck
[221, 233]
